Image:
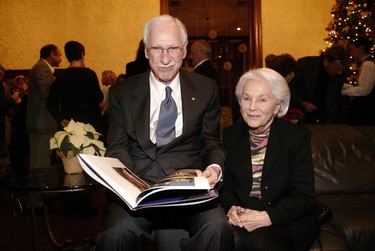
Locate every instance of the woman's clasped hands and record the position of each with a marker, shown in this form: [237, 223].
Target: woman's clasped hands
[247, 218]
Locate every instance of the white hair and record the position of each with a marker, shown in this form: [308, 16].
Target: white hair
[165, 19]
[277, 83]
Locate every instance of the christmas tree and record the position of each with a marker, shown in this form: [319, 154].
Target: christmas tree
[352, 19]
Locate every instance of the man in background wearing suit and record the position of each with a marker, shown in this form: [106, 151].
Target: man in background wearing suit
[40, 124]
[133, 139]
[200, 54]
[316, 87]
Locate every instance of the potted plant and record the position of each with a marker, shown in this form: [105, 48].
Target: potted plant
[77, 137]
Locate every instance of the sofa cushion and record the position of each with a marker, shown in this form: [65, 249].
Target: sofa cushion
[368, 132]
[329, 240]
[353, 218]
[343, 158]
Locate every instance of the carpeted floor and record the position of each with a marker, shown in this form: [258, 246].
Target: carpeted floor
[68, 222]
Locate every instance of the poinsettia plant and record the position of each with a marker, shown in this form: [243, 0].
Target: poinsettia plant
[78, 137]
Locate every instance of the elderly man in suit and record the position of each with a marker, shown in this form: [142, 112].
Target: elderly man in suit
[134, 138]
[40, 124]
[200, 54]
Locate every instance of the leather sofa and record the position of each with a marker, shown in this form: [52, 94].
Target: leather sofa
[344, 165]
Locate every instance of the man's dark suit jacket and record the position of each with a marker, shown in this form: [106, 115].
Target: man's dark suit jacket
[208, 70]
[304, 83]
[287, 185]
[129, 132]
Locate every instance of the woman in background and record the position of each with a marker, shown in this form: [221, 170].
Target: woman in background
[19, 144]
[286, 66]
[109, 78]
[75, 93]
[268, 189]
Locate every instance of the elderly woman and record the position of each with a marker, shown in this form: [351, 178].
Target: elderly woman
[268, 189]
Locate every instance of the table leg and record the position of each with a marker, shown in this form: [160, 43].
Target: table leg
[18, 209]
[21, 200]
[48, 224]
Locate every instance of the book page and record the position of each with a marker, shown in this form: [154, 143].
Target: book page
[107, 171]
[135, 180]
[184, 179]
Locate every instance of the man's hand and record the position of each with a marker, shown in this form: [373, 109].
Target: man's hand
[212, 173]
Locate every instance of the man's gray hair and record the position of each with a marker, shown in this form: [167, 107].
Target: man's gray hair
[204, 46]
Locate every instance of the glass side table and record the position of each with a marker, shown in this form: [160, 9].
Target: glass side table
[43, 181]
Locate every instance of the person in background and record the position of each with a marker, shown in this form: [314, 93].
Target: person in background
[268, 189]
[134, 138]
[140, 64]
[108, 79]
[200, 54]
[19, 144]
[75, 93]
[317, 85]
[10, 99]
[40, 125]
[286, 65]
[5, 102]
[3, 151]
[120, 77]
[362, 104]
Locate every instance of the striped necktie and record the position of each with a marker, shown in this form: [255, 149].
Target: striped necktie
[165, 130]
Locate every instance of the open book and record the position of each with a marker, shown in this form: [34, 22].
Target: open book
[184, 187]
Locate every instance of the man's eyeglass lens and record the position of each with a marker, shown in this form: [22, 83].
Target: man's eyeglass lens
[172, 51]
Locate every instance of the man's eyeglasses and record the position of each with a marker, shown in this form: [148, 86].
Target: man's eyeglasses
[172, 51]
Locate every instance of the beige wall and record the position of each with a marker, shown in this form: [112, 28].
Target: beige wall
[109, 29]
[295, 26]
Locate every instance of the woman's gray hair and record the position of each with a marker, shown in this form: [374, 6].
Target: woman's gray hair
[277, 83]
[165, 19]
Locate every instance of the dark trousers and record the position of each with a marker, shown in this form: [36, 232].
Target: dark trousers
[263, 239]
[127, 230]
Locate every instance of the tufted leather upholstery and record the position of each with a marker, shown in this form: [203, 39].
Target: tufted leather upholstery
[344, 164]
